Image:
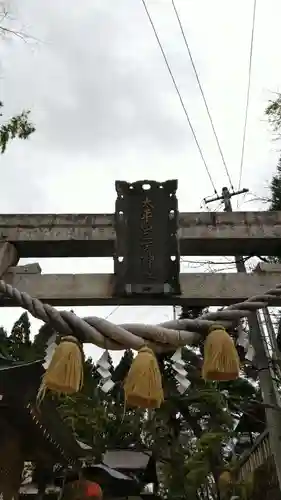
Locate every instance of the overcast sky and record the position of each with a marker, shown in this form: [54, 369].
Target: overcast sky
[105, 108]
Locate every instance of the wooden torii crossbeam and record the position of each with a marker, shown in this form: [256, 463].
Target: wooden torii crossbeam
[198, 289]
[93, 235]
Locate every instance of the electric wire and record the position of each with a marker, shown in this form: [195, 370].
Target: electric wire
[248, 95]
[113, 311]
[178, 93]
[202, 93]
[215, 263]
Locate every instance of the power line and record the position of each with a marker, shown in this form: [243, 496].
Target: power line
[248, 94]
[202, 93]
[112, 312]
[214, 263]
[179, 94]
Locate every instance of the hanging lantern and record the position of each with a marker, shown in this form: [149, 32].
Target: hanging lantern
[92, 490]
[82, 489]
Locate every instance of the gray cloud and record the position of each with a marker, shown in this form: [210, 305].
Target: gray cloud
[105, 108]
[100, 77]
[98, 87]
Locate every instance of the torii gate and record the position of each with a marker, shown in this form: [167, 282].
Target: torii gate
[133, 204]
[70, 235]
[150, 270]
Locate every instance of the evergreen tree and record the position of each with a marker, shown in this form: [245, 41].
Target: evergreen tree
[188, 312]
[123, 366]
[275, 189]
[3, 333]
[273, 113]
[20, 346]
[119, 374]
[21, 330]
[190, 435]
[46, 331]
[208, 414]
[4, 349]
[100, 419]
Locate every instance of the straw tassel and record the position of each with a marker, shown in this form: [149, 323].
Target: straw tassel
[221, 360]
[64, 374]
[143, 384]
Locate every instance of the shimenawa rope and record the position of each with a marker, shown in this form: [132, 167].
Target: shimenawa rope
[166, 336]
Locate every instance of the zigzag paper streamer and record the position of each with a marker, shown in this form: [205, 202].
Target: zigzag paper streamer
[181, 374]
[103, 369]
[51, 346]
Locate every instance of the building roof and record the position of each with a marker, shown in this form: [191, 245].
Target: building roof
[19, 384]
[124, 472]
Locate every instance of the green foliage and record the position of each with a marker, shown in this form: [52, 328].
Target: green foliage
[4, 351]
[188, 435]
[275, 189]
[20, 346]
[204, 460]
[18, 126]
[21, 330]
[209, 410]
[273, 113]
[191, 312]
[98, 420]
[45, 332]
[123, 367]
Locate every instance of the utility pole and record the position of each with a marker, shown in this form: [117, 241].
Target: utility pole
[226, 198]
[268, 387]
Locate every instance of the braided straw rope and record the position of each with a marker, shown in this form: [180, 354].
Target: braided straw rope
[166, 336]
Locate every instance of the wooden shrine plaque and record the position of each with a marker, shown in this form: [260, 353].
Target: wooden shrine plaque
[146, 257]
